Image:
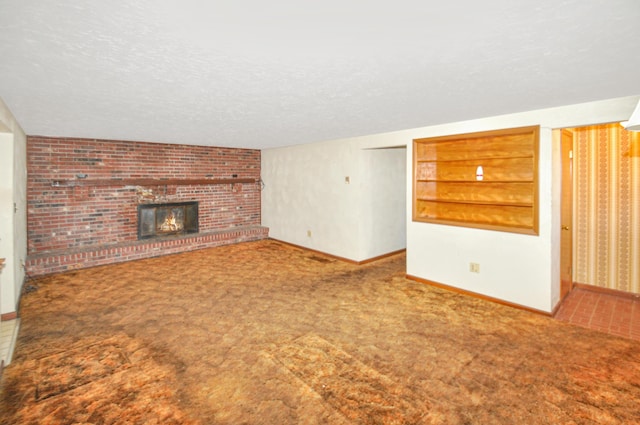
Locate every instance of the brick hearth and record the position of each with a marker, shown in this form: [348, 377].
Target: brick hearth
[53, 262]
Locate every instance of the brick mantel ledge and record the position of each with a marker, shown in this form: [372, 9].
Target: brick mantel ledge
[56, 262]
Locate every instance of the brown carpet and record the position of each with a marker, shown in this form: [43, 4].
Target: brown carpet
[265, 333]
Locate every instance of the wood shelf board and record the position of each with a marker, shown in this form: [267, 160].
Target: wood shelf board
[475, 161]
[473, 181]
[465, 202]
[483, 226]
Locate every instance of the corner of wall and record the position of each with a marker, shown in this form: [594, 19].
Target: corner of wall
[15, 184]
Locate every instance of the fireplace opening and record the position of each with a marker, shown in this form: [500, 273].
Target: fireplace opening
[157, 220]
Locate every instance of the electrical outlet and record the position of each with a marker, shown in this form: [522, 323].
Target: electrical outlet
[309, 233]
[474, 267]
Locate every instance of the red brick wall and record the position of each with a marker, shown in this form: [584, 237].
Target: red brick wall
[61, 219]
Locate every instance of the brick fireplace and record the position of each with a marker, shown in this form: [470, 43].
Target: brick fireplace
[85, 196]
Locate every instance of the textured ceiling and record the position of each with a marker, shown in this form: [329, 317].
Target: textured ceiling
[260, 74]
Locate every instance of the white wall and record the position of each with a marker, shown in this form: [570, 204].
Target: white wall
[383, 209]
[306, 190]
[521, 269]
[13, 207]
[513, 267]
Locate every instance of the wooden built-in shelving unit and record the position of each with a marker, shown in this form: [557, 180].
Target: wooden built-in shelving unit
[486, 180]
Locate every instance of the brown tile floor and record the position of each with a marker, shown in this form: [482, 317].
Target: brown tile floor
[265, 333]
[613, 314]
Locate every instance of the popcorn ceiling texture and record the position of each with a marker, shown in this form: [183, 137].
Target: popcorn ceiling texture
[257, 74]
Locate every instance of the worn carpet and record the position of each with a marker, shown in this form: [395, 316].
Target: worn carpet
[266, 333]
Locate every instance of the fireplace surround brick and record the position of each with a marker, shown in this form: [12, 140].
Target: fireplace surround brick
[83, 226]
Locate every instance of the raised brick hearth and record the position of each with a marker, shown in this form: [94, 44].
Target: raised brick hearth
[83, 197]
[52, 262]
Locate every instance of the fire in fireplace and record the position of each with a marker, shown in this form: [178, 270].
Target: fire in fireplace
[156, 220]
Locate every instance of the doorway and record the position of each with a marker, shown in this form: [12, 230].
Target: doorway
[566, 214]
[384, 229]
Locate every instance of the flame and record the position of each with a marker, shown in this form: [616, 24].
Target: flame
[170, 224]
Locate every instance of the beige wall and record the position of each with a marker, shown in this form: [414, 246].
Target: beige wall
[607, 207]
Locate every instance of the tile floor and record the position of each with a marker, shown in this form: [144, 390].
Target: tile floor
[613, 314]
[8, 334]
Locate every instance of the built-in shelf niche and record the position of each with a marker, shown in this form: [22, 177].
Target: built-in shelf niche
[485, 180]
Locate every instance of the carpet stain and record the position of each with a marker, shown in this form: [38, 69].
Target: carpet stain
[73, 368]
[112, 381]
[357, 391]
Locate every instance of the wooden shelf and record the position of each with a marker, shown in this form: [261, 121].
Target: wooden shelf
[471, 182]
[148, 182]
[469, 202]
[475, 160]
[448, 190]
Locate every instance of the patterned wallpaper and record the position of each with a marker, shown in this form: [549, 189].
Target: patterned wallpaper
[607, 207]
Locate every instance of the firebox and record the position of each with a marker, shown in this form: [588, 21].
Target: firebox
[157, 220]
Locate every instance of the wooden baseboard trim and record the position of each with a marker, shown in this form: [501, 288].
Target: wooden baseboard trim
[9, 316]
[477, 295]
[314, 250]
[557, 307]
[607, 291]
[347, 260]
[562, 300]
[380, 257]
